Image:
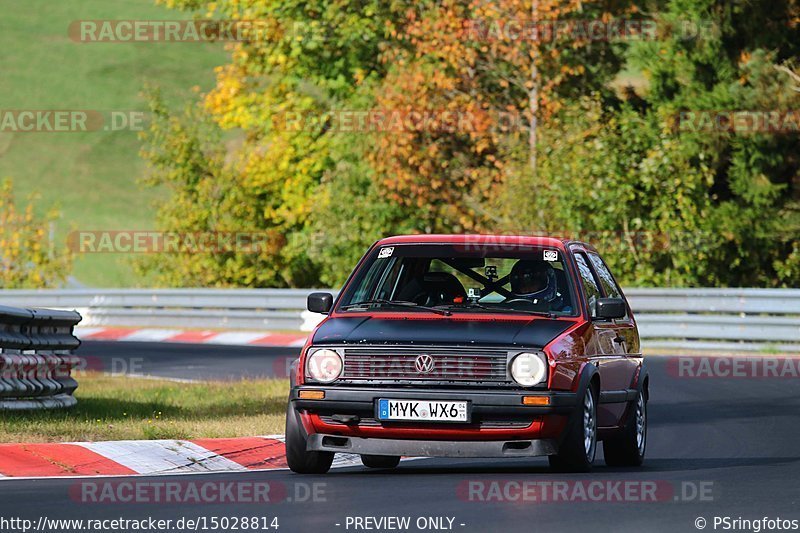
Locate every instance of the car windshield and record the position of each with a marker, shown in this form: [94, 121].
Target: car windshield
[461, 278]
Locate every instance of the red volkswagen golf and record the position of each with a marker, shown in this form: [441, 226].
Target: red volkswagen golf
[471, 346]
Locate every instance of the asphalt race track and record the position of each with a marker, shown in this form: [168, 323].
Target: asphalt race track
[187, 361]
[724, 447]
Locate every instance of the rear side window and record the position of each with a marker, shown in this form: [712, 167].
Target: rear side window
[606, 279]
[610, 287]
[588, 281]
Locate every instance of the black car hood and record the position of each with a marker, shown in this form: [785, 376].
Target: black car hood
[535, 332]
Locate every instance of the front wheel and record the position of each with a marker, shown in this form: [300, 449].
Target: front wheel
[298, 458]
[627, 448]
[380, 461]
[577, 451]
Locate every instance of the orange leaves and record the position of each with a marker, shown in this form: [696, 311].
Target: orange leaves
[455, 83]
[476, 61]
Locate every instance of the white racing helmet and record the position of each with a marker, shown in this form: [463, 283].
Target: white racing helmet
[534, 280]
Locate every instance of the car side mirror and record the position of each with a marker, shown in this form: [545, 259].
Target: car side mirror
[320, 302]
[610, 308]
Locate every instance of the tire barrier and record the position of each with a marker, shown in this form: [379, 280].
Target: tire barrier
[36, 359]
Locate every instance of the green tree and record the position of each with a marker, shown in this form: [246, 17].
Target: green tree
[257, 162]
[323, 195]
[672, 201]
[668, 202]
[29, 258]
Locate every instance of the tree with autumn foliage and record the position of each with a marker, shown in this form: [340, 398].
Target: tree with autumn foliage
[265, 175]
[296, 183]
[492, 65]
[549, 137]
[29, 256]
[676, 202]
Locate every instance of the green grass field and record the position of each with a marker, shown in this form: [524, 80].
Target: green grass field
[93, 176]
[119, 408]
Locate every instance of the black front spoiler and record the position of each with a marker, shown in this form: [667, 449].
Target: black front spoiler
[431, 448]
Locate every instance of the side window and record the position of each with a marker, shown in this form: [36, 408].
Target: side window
[388, 285]
[610, 287]
[367, 287]
[588, 281]
[606, 279]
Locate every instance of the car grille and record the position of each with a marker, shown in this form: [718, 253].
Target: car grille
[447, 364]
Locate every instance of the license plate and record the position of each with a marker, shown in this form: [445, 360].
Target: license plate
[423, 410]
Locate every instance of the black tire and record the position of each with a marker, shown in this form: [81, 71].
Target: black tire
[380, 461]
[577, 451]
[298, 459]
[626, 448]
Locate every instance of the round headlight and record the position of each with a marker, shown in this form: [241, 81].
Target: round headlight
[324, 366]
[529, 369]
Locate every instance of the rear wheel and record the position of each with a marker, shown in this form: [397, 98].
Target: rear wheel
[380, 461]
[297, 457]
[628, 446]
[577, 451]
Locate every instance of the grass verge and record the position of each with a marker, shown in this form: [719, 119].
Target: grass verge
[93, 176]
[119, 408]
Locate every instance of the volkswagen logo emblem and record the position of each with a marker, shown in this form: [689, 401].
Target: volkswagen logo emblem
[424, 364]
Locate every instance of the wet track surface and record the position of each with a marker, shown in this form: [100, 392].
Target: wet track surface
[716, 447]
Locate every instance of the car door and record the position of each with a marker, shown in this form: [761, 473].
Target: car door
[607, 347]
[625, 326]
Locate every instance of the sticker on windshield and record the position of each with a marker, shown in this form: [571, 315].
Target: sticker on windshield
[551, 255]
[385, 252]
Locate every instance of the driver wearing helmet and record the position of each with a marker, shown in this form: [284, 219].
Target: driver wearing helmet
[533, 280]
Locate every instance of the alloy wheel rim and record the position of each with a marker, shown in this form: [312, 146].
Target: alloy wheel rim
[641, 424]
[589, 426]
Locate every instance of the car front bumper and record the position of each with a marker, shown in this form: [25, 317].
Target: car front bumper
[497, 417]
[483, 402]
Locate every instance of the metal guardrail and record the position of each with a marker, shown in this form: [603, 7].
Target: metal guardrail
[247, 309]
[719, 319]
[36, 358]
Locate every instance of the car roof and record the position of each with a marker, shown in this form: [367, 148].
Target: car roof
[524, 240]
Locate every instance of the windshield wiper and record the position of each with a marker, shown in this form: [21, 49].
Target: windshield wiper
[396, 303]
[477, 305]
